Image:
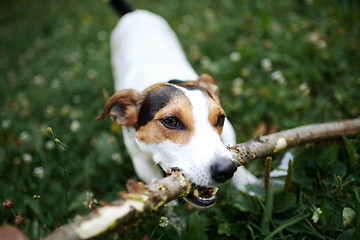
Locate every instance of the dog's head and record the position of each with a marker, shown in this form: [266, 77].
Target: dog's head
[179, 123]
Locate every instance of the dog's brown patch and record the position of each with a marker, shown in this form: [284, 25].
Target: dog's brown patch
[215, 111]
[155, 132]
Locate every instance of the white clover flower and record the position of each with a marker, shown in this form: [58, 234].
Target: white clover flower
[188, 19]
[102, 35]
[317, 39]
[67, 28]
[24, 136]
[206, 62]
[49, 145]
[78, 67]
[349, 216]
[55, 83]
[50, 110]
[27, 157]
[266, 64]
[321, 44]
[237, 86]
[164, 221]
[304, 88]
[75, 126]
[245, 72]
[235, 56]
[89, 194]
[314, 37]
[210, 15]
[39, 172]
[73, 56]
[184, 28]
[92, 74]
[76, 114]
[116, 157]
[316, 215]
[65, 110]
[76, 99]
[5, 124]
[278, 77]
[38, 80]
[90, 200]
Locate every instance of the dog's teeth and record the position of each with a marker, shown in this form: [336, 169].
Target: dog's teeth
[196, 193]
[214, 190]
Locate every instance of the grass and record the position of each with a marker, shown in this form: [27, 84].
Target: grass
[278, 64]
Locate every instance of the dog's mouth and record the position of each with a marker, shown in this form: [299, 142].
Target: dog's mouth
[199, 196]
[202, 196]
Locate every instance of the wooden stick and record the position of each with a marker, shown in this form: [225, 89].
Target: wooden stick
[139, 199]
[131, 206]
[272, 143]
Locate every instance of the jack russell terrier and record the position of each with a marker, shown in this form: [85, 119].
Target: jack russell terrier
[170, 116]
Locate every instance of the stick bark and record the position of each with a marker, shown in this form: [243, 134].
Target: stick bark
[267, 145]
[139, 199]
[127, 209]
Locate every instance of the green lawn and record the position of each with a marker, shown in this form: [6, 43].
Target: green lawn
[278, 64]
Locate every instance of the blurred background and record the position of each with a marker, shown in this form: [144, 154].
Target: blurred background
[278, 64]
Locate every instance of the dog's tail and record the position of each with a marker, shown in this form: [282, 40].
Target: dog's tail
[121, 6]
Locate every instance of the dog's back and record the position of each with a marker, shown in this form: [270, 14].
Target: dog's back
[143, 40]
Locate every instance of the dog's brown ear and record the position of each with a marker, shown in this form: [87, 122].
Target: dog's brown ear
[123, 107]
[207, 82]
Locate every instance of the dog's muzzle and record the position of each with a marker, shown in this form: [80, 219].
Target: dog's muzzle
[221, 171]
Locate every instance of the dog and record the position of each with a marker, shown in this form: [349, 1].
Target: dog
[170, 116]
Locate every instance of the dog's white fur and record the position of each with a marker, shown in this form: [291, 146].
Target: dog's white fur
[145, 51]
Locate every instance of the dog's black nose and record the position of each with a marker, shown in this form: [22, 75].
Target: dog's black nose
[222, 171]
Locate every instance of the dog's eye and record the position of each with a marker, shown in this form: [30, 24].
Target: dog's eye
[220, 120]
[172, 123]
